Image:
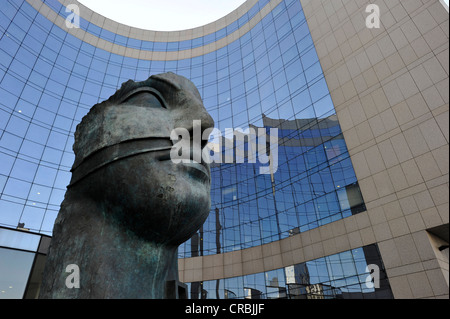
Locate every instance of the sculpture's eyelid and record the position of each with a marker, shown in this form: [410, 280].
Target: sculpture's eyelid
[143, 90]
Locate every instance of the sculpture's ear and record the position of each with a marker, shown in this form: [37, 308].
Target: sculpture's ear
[144, 96]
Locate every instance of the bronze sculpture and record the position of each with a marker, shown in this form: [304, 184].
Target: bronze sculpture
[128, 206]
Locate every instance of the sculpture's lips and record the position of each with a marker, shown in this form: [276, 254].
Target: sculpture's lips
[197, 168]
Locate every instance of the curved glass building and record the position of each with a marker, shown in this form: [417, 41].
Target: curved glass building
[352, 188]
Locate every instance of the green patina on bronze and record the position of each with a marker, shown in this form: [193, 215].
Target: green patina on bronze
[128, 206]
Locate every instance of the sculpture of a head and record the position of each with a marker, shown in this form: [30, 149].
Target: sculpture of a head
[122, 159]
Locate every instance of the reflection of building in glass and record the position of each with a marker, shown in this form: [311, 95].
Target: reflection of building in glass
[314, 185]
[22, 260]
[340, 276]
[251, 293]
[362, 159]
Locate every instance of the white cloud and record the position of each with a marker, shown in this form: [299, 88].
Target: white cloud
[166, 15]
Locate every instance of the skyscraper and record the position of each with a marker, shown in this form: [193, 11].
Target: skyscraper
[361, 182]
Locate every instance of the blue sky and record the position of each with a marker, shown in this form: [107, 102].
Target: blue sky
[163, 15]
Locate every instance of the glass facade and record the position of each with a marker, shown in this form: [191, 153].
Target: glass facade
[270, 77]
[341, 276]
[314, 185]
[22, 260]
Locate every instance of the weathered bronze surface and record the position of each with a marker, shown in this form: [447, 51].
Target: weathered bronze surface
[128, 206]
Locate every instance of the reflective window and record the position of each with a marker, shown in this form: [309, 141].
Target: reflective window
[341, 276]
[18, 240]
[268, 78]
[34, 283]
[15, 267]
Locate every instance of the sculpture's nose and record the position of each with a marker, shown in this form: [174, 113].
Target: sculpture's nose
[198, 113]
[201, 123]
[207, 123]
[204, 125]
[196, 119]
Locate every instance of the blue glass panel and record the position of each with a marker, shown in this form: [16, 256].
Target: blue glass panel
[14, 272]
[273, 68]
[19, 240]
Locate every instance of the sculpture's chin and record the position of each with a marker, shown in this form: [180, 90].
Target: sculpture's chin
[159, 201]
[172, 224]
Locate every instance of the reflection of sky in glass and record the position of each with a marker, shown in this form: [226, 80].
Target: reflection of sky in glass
[342, 275]
[19, 240]
[15, 267]
[269, 77]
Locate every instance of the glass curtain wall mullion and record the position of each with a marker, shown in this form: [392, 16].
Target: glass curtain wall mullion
[262, 72]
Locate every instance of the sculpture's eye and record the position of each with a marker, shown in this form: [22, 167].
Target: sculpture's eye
[145, 98]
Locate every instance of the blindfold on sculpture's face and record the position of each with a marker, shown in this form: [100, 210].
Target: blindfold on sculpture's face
[139, 118]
